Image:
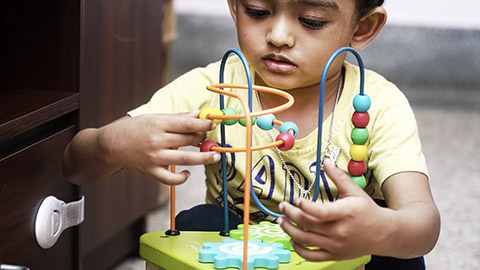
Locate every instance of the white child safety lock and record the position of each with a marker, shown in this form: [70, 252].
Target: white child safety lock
[54, 216]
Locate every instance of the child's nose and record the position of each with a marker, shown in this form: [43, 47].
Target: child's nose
[281, 33]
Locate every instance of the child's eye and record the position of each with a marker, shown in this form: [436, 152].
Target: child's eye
[312, 24]
[256, 13]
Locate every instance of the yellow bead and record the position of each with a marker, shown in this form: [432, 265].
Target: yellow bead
[358, 152]
[211, 111]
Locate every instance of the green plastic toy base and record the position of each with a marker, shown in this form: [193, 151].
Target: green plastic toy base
[182, 252]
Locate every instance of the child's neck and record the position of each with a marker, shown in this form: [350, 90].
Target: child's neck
[304, 112]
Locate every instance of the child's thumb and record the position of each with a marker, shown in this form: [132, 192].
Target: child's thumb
[345, 185]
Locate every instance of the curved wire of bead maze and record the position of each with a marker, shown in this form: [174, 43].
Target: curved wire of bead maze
[288, 131]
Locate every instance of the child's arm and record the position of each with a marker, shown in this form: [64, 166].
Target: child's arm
[143, 144]
[355, 225]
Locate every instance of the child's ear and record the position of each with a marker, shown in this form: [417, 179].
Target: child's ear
[368, 28]
[232, 4]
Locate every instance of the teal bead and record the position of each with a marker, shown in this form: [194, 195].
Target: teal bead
[243, 122]
[230, 111]
[287, 126]
[359, 135]
[360, 181]
[361, 103]
[265, 122]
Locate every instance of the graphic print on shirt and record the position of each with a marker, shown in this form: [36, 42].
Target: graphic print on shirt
[231, 171]
[268, 186]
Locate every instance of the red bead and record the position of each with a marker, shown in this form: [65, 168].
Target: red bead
[288, 141]
[207, 146]
[356, 168]
[360, 120]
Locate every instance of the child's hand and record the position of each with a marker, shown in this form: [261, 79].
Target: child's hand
[347, 228]
[146, 144]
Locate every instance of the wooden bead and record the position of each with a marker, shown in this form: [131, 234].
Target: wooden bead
[360, 181]
[207, 146]
[287, 126]
[360, 120]
[211, 111]
[361, 103]
[358, 152]
[230, 111]
[288, 141]
[265, 122]
[356, 168]
[243, 122]
[359, 135]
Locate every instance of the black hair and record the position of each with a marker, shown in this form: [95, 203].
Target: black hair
[365, 6]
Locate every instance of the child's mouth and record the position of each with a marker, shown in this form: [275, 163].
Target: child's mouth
[278, 64]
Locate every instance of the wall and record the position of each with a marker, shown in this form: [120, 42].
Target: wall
[429, 13]
[412, 51]
[434, 13]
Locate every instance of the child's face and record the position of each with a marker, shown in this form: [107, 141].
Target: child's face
[288, 42]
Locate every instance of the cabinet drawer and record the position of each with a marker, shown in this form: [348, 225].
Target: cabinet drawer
[26, 178]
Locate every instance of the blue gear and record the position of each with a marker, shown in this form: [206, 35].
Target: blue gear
[229, 253]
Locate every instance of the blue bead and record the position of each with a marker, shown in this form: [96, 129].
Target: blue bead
[361, 103]
[265, 122]
[287, 126]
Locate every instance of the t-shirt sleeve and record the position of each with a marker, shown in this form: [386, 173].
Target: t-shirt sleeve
[186, 93]
[395, 144]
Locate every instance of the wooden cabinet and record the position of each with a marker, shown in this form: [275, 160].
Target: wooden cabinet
[65, 66]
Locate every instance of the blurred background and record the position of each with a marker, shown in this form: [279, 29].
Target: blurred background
[431, 50]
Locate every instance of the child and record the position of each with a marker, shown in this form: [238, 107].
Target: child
[287, 43]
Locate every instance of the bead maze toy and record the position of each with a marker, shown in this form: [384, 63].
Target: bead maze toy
[264, 245]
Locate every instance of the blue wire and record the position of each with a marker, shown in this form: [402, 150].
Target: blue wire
[320, 122]
[320, 107]
[222, 126]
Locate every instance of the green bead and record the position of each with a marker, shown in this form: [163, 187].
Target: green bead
[243, 122]
[360, 181]
[359, 135]
[230, 111]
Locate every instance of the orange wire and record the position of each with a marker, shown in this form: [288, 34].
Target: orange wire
[243, 149]
[172, 202]
[248, 147]
[254, 148]
[216, 88]
[246, 192]
[248, 150]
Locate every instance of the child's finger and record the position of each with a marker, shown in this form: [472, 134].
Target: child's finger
[314, 255]
[317, 220]
[175, 140]
[296, 215]
[303, 235]
[167, 177]
[324, 213]
[194, 113]
[345, 185]
[179, 157]
[186, 123]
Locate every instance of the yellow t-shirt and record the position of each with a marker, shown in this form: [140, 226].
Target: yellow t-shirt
[393, 145]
